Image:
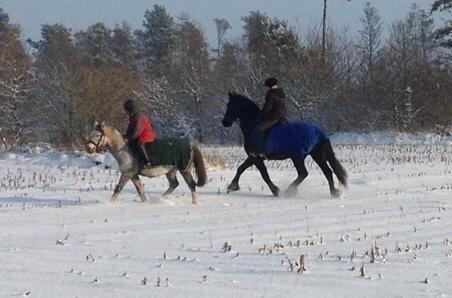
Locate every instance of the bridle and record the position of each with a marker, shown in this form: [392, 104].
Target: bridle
[96, 145]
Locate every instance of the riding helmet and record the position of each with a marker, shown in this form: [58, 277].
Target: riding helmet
[129, 106]
[270, 82]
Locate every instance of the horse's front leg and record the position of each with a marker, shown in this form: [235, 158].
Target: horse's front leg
[235, 181]
[139, 187]
[259, 163]
[122, 182]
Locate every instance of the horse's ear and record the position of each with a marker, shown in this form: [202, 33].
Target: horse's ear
[102, 125]
[99, 127]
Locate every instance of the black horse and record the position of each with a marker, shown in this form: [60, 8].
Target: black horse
[246, 112]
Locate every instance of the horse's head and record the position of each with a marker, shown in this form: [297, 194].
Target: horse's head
[97, 141]
[232, 111]
[240, 108]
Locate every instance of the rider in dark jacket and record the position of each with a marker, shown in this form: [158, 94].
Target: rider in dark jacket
[273, 112]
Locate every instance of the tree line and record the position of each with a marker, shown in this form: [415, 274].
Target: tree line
[52, 89]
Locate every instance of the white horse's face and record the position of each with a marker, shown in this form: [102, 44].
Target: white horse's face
[97, 142]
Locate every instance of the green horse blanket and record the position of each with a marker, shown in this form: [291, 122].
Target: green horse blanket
[169, 151]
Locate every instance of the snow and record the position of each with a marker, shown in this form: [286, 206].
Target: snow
[61, 237]
[387, 137]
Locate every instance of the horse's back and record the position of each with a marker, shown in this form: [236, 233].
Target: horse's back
[296, 138]
[169, 151]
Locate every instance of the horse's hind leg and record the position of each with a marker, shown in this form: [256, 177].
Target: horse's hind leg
[192, 185]
[259, 163]
[121, 183]
[235, 181]
[302, 174]
[172, 180]
[139, 187]
[319, 156]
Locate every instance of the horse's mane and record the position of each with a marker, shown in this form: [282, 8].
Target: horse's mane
[246, 103]
[114, 134]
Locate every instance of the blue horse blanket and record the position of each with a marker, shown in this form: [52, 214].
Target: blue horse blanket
[297, 138]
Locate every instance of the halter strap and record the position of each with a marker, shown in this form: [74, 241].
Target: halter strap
[98, 142]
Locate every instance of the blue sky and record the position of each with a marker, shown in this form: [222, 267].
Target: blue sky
[78, 14]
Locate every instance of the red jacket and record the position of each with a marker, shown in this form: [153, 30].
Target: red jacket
[140, 128]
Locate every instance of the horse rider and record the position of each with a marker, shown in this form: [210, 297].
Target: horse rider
[273, 112]
[139, 132]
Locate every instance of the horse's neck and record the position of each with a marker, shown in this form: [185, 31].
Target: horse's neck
[120, 151]
[248, 127]
[115, 142]
[125, 159]
[248, 120]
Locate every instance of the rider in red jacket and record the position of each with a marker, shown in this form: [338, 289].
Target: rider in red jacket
[139, 131]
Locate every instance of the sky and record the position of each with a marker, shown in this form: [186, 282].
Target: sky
[79, 14]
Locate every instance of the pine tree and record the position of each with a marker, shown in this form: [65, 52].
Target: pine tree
[444, 33]
[56, 67]
[122, 45]
[157, 40]
[258, 49]
[369, 41]
[273, 49]
[222, 25]
[94, 43]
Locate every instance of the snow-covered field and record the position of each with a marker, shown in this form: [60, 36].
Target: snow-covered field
[60, 236]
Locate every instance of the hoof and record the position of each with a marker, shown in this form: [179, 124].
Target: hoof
[194, 198]
[290, 192]
[232, 187]
[336, 193]
[276, 192]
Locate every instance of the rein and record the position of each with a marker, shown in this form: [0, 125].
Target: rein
[102, 136]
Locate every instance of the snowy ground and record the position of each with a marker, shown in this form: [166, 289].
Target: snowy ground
[60, 236]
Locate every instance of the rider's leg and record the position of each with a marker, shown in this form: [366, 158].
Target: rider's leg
[144, 152]
[261, 137]
[137, 151]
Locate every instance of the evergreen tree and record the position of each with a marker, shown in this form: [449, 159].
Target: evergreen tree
[222, 25]
[56, 67]
[258, 48]
[444, 33]
[122, 45]
[94, 43]
[369, 41]
[156, 41]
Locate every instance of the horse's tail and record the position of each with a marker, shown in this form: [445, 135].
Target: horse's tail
[338, 169]
[200, 168]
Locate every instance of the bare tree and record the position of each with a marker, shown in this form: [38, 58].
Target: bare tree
[15, 83]
[324, 31]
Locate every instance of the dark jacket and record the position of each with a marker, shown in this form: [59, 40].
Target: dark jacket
[274, 110]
